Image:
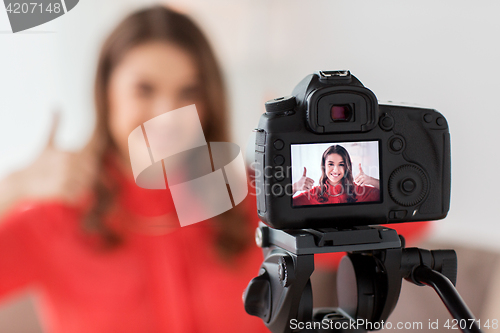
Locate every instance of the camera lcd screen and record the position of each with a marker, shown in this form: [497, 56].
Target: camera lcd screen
[335, 173]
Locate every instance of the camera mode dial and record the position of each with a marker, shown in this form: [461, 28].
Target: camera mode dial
[408, 185]
[281, 104]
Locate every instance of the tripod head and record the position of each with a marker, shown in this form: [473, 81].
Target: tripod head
[369, 278]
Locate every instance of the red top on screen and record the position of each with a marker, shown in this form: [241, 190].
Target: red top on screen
[336, 195]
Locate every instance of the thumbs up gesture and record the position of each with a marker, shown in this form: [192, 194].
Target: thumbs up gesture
[57, 174]
[363, 179]
[305, 183]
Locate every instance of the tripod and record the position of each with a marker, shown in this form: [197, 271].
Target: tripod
[368, 279]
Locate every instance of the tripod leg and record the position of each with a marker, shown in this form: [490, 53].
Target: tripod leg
[449, 295]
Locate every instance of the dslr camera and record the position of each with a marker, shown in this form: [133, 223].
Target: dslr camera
[331, 156]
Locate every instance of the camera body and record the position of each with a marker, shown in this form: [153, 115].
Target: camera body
[407, 150]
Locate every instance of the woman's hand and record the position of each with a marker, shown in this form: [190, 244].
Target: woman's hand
[55, 174]
[362, 179]
[305, 183]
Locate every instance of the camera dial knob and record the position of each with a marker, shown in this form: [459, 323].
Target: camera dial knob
[281, 104]
[408, 185]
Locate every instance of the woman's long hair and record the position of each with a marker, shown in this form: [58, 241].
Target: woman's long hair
[347, 181]
[159, 23]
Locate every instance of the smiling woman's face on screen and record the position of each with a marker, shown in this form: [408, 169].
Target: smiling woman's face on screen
[334, 168]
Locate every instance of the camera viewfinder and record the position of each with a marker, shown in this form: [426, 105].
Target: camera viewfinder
[341, 113]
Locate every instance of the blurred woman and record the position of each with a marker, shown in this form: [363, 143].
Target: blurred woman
[106, 255]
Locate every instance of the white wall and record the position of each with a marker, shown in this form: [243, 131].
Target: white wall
[438, 54]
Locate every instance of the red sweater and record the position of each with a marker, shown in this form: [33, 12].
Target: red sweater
[336, 194]
[154, 282]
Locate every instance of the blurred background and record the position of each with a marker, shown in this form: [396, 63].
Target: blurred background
[442, 55]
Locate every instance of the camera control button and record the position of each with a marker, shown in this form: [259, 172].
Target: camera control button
[397, 214]
[386, 123]
[428, 117]
[278, 144]
[279, 160]
[277, 190]
[279, 175]
[396, 144]
[440, 121]
[408, 185]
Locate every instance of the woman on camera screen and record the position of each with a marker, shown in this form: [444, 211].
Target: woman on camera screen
[337, 183]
